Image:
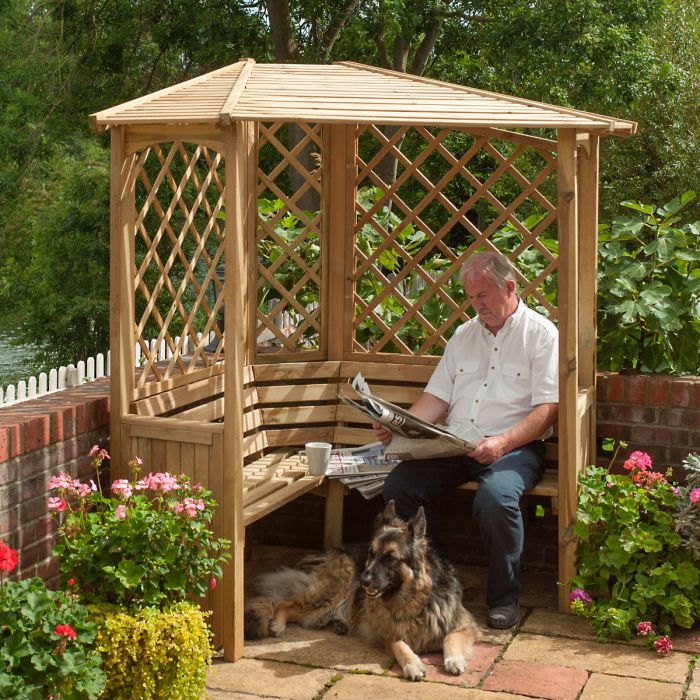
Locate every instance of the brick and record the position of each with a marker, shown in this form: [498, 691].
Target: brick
[537, 680]
[681, 391]
[652, 435]
[9, 520]
[33, 509]
[4, 444]
[616, 389]
[637, 389]
[658, 391]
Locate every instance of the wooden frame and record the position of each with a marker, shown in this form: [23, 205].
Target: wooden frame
[167, 239]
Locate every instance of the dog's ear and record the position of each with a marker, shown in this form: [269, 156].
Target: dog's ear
[387, 516]
[417, 524]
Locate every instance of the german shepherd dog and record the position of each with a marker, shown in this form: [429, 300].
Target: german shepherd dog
[406, 597]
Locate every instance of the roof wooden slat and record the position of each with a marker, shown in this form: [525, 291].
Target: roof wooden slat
[349, 93]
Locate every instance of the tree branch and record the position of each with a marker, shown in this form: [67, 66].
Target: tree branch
[283, 42]
[335, 27]
[432, 34]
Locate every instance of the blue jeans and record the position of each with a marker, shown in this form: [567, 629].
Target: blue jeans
[423, 482]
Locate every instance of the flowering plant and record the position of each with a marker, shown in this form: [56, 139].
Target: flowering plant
[147, 544]
[46, 640]
[632, 566]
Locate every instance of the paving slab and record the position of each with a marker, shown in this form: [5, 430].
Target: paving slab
[604, 687]
[552, 623]
[536, 680]
[321, 648]
[686, 640]
[694, 686]
[268, 679]
[634, 662]
[365, 687]
[483, 658]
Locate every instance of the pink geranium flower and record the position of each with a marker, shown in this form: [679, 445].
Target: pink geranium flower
[57, 504]
[694, 495]
[120, 512]
[644, 628]
[122, 488]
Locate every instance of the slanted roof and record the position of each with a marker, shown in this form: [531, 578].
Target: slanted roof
[347, 93]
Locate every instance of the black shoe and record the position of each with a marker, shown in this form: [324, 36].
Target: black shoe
[503, 617]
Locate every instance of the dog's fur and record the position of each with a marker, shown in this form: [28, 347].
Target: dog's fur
[405, 597]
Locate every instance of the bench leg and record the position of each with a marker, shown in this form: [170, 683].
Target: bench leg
[333, 523]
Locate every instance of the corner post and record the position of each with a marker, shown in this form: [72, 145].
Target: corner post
[121, 297]
[569, 434]
[239, 140]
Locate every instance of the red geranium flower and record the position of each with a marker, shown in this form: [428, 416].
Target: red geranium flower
[65, 631]
[8, 557]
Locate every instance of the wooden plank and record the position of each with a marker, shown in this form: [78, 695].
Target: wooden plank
[403, 372]
[333, 514]
[207, 412]
[547, 486]
[236, 92]
[299, 436]
[294, 415]
[200, 437]
[569, 437]
[294, 393]
[257, 510]
[291, 371]
[158, 451]
[186, 391]
[144, 136]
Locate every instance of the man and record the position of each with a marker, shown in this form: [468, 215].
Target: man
[500, 372]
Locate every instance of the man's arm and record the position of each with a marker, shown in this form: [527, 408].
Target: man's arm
[528, 429]
[427, 407]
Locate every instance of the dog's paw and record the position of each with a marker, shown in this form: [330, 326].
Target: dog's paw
[277, 628]
[340, 626]
[414, 671]
[455, 665]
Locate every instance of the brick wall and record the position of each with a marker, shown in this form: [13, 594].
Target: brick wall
[39, 438]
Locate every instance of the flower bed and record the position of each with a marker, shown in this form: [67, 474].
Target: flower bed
[638, 551]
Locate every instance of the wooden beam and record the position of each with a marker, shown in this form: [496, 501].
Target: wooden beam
[239, 142]
[121, 296]
[588, 263]
[236, 92]
[569, 435]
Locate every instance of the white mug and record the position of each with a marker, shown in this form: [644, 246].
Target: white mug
[316, 455]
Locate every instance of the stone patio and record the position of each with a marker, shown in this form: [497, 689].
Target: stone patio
[547, 655]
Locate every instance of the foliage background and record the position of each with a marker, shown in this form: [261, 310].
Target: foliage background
[64, 59]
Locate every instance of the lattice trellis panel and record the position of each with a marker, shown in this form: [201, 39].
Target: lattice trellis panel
[179, 245]
[290, 177]
[426, 198]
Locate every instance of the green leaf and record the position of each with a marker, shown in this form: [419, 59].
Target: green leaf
[129, 573]
[638, 206]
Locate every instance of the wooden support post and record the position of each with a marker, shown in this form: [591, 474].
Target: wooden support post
[239, 142]
[569, 434]
[336, 296]
[121, 298]
[588, 264]
[339, 197]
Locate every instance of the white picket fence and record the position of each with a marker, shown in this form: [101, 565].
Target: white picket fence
[76, 374]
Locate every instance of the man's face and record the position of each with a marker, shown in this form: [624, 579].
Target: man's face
[493, 303]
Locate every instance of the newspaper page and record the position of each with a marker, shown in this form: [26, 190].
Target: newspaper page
[360, 461]
[413, 438]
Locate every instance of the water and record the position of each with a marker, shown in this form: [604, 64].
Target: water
[15, 363]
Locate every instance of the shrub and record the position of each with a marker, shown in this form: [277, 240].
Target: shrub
[632, 566]
[148, 545]
[154, 653]
[46, 641]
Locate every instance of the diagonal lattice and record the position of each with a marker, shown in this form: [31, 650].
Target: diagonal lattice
[290, 176]
[179, 245]
[425, 199]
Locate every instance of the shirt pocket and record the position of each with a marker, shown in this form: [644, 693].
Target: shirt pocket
[516, 373]
[466, 369]
[516, 383]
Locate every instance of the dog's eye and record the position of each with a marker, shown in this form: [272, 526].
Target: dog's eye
[394, 556]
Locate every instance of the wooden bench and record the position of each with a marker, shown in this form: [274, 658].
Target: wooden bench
[285, 406]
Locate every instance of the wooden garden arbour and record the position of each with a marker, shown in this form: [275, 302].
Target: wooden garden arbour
[185, 176]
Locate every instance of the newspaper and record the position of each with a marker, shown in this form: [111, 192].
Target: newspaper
[362, 468]
[412, 437]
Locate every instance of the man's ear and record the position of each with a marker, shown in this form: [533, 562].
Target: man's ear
[510, 286]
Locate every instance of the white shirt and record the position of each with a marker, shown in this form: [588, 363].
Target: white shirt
[495, 381]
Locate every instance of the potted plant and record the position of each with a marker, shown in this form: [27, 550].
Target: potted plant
[46, 640]
[638, 549]
[137, 557]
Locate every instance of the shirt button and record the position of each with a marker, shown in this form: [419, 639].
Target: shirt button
[477, 401]
[485, 384]
[493, 368]
[472, 420]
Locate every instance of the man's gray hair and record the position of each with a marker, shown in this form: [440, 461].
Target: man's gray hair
[494, 266]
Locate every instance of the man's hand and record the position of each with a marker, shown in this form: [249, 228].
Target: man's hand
[490, 449]
[383, 434]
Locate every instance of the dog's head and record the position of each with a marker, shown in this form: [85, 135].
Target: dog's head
[395, 553]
